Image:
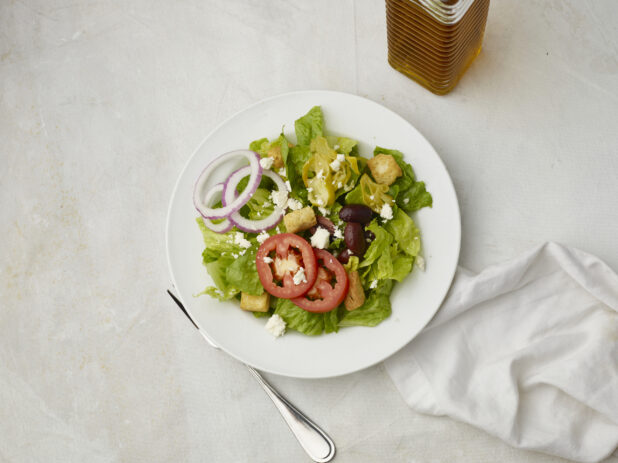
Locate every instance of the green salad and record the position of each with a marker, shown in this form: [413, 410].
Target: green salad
[311, 234]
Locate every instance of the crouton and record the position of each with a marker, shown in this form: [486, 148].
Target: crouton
[384, 169]
[275, 153]
[300, 220]
[356, 296]
[255, 303]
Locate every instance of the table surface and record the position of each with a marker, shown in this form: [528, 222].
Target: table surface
[102, 102]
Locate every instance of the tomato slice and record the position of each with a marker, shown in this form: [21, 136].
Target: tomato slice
[323, 296]
[286, 254]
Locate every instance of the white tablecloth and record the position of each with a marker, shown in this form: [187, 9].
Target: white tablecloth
[101, 102]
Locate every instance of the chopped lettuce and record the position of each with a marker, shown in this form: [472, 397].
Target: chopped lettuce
[231, 267]
[409, 194]
[308, 323]
[391, 254]
[309, 126]
[260, 146]
[296, 159]
[242, 274]
[379, 247]
[355, 196]
[216, 269]
[259, 206]
[404, 230]
[217, 244]
[377, 307]
[263, 146]
[402, 266]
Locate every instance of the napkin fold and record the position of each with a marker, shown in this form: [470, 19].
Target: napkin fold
[526, 350]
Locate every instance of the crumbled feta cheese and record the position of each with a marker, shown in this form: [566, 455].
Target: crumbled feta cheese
[335, 165]
[336, 147]
[340, 157]
[386, 212]
[294, 204]
[374, 284]
[406, 200]
[320, 238]
[338, 234]
[320, 202]
[323, 211]
[275, 325]
[267, 260]
[299, 276]
[263, 236]
[234, 255]
[282, 172]
[339, 185]
[280, 198]
[420, 262]
[241, 241]
[266, 162]
[288, 186]
[320, 174]
[309, 189]
[372, 197]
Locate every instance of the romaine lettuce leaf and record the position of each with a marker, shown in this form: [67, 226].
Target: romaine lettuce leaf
[217, 269]
[259, 206]
[379, 247]
[308, 323]
[355, 196]
[260, 146]
[402, 266]
[405, 232]
[216, 244]
[376, 308]
[415, 198]
[391, 254]
[296, 159]
[231, 267]
[242, 274]
[309, 126]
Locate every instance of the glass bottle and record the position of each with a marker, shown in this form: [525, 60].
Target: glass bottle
[434, 41]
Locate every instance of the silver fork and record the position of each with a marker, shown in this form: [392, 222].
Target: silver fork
[313, 440]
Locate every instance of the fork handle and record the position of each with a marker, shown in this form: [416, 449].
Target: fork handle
[313, 440]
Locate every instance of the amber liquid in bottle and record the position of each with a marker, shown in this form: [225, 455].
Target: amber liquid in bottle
[434, 52]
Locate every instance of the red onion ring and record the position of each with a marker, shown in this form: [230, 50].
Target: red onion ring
[242, 223]
[209, 199]
[233, 204]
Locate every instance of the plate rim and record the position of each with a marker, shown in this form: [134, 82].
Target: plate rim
[181, 173]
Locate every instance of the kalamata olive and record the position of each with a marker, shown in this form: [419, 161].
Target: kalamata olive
[356, 213]
[369, 236]
[326, 223]
[354, 238]
[313, 229]
[345, 255]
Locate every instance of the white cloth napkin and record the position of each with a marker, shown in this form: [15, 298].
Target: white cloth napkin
[526, 350]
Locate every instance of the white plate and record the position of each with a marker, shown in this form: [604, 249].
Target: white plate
[414, 301]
